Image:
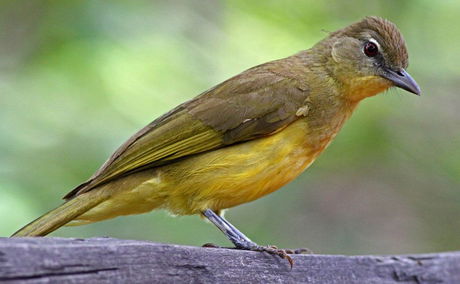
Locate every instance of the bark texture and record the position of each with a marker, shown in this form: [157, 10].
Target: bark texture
[106, 260]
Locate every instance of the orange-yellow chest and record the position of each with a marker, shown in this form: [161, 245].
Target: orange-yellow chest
[247, 171]
[237, 174]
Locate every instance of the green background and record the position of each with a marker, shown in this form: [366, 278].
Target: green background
[77, 78]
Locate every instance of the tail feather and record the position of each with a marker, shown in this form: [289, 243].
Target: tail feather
[60, 216]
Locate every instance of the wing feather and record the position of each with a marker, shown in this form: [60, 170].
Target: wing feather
[258, 102]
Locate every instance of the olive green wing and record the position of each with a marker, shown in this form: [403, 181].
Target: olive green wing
[256, 103]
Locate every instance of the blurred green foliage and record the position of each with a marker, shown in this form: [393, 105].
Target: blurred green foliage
[77, 78]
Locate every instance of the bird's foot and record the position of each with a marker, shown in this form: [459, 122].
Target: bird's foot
[283, 253]
[288, 251]
[242, 242]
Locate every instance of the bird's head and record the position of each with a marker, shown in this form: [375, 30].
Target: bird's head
[368, 57]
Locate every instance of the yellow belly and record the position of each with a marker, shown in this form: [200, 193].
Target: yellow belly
[216, 180]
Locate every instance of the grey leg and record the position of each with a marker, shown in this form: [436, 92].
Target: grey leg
[239, 239]
[233, 234]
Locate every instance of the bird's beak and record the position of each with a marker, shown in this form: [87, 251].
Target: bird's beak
[402, 79]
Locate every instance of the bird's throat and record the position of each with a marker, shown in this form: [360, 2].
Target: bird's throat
[362, 87]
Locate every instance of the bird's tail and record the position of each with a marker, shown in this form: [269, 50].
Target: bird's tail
[60, 216]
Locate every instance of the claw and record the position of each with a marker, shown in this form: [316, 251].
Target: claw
[275, 251]
[241, 241]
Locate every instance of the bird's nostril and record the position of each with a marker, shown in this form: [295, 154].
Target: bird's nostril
[400, 73]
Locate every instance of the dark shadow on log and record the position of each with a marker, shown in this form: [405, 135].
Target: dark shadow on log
[105, 260]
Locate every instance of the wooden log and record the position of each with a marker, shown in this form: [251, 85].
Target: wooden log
[106, 260]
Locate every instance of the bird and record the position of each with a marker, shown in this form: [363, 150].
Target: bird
[243, 138]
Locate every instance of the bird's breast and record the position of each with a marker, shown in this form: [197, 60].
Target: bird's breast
[240, 173]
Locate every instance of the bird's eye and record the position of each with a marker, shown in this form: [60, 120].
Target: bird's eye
[371, 49]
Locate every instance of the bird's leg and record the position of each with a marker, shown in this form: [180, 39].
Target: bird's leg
[240, 240]
[233, 234]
